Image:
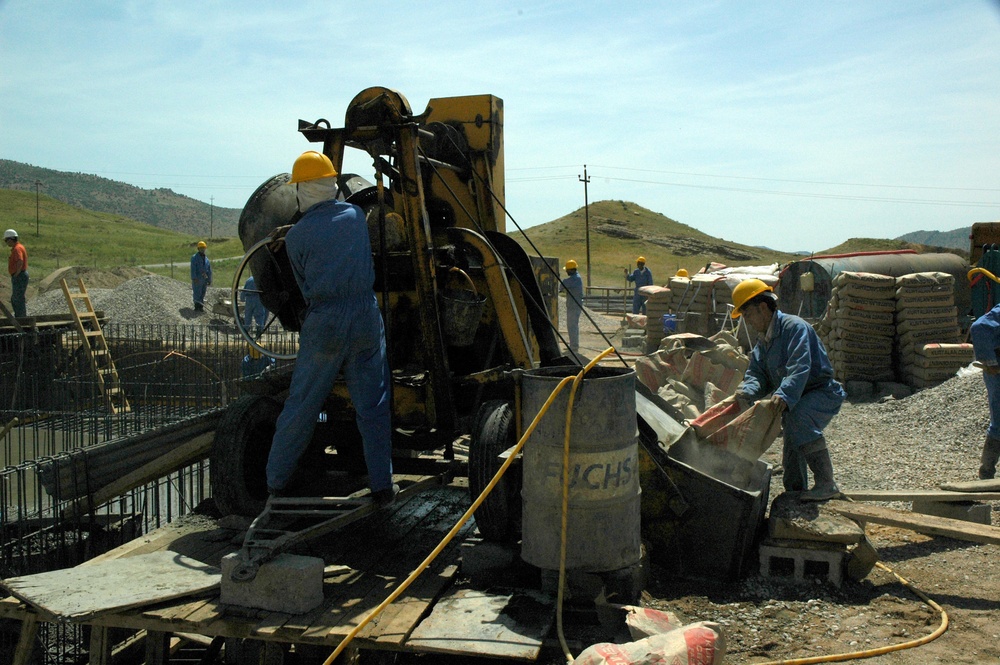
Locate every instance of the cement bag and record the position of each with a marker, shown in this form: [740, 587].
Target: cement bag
[871, 345]
[636, 320]
[864, 328]
[700, 643]
[961, 352]
[654, 370]
[682, 402]
[926, 279]
[925, 300]
[879, 360]
[656, 293]
[865, 285]
[925, 324]
[645, 622]
[866, 304]
[927, 313]
[926, 336]
[929, 374]
[748, 434]
[944, 364]
[702, 368]
[865, 315]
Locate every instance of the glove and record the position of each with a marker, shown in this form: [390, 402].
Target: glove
[777, 403]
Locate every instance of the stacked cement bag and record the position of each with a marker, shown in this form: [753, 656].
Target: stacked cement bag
[927, 329]
[858, 327]
[659, 301]
[699, 300]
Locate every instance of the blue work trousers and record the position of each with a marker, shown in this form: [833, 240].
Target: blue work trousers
[573, 327]
[330, 338]
[638, 304]
[19, 286]
[199, 287]
[803, 424]
[992, 382]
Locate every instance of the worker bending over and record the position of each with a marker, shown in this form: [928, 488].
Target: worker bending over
[985, 334]
[574, 303]
[642, 277]
[331, 259]
[789, 364]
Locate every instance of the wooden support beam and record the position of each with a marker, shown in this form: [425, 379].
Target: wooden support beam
[26, 642]
[100, 646]
[928, 524]
[920, 495]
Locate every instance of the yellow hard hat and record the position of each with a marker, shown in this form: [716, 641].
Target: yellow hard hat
[571, 265]
[746, 291]
[641, 259]
[681, 273]
[253, 351]
[202, 244]
[312, 165]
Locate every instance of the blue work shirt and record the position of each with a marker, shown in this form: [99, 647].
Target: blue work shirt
[641, 277]
[790, 361]
[201, 268]
[574, 286]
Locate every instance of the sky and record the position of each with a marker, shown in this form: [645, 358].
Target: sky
[794, 125]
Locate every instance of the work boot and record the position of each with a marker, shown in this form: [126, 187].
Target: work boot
[988, 461]
[822, 467]
[384, 498]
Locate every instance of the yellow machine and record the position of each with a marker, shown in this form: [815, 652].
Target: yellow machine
[461, 302]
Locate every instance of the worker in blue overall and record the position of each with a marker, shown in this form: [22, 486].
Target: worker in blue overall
[255, 363]
[642, 277]
[201, 276]
[790, 367]
[330, 253]
[254, 312]
[574, 304]
[985, 334]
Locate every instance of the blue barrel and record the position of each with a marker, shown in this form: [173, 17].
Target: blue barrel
[603, 532]
[669, 324]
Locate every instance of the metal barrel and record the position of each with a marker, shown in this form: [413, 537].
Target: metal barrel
[603, 529]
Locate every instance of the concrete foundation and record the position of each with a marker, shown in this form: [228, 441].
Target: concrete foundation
[290, 583]
[969, 511]
[799, 560]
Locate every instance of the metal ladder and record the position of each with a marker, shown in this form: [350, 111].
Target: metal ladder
[96, 347]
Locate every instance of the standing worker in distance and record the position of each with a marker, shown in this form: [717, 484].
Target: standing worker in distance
[789, 364]
[201, 275]
[331, 259]
[17, 266]
[985, 334]
[574, 303]
[642, 277]
[254, 312]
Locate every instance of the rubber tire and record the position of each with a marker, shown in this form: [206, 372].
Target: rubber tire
[238, 460]
[499, 515]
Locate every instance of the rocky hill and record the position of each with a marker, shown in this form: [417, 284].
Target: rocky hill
[162, 208]
[955, 239]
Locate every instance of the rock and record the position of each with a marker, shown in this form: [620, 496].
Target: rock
[792, 519]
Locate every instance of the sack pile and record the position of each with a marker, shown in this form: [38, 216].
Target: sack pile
[927, 329]
[858, 327]
[658, 302]
[693, 373]
[699, 301]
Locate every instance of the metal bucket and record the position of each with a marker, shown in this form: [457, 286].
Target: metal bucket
[461, 312]
[603, 528]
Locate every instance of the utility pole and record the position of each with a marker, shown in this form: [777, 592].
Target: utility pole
[38, 183]
[211, 216]
[585, 179]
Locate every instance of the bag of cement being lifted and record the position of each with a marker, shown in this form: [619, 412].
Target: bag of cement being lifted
[747, 434]
[700, 643]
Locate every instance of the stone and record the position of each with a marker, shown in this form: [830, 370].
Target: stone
[290, 583]
[808, 520]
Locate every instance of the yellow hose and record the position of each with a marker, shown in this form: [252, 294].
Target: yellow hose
[871, 653]
[981, 271]
[462, 520]
[565, 506]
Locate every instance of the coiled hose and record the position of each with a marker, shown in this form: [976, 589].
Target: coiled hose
[468, 513]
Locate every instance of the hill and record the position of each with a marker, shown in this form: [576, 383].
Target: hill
[854, 245]
[162, 208]
[620, 231]
[955, 239]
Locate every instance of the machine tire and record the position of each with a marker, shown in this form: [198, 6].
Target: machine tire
[238, 460]
[499, 516]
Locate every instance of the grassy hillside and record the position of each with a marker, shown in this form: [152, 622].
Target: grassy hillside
[72, 236]
[879, 245]
[162, 208]
[621, 231]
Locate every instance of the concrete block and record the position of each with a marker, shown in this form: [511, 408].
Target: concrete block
[793, 519]
[290, 583]
[863, 558]
[969, 511]
[783, 559]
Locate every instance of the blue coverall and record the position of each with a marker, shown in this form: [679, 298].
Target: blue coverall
[642, 277]
[253, 366]
[254, 312]
[574, 300]
[201, 277]
[985, 334]
[790, 361]
[332, 262]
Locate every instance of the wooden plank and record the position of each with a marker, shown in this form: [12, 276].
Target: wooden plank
[928, 524]
[992, 485]
[504, 625]
[81, 593]
[26, 641]
[920, 495]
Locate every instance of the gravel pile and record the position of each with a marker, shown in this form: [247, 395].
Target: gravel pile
[147, 300]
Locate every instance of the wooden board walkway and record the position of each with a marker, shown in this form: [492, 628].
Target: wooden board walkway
[365, 565]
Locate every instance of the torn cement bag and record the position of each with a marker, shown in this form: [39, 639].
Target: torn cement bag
[700, 643]
[645, 622]
[748, 434]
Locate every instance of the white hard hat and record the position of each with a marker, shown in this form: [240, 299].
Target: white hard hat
[10, 233]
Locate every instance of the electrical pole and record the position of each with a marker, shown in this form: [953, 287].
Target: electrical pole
[585, 179]
[211, 216]
[37, 185]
